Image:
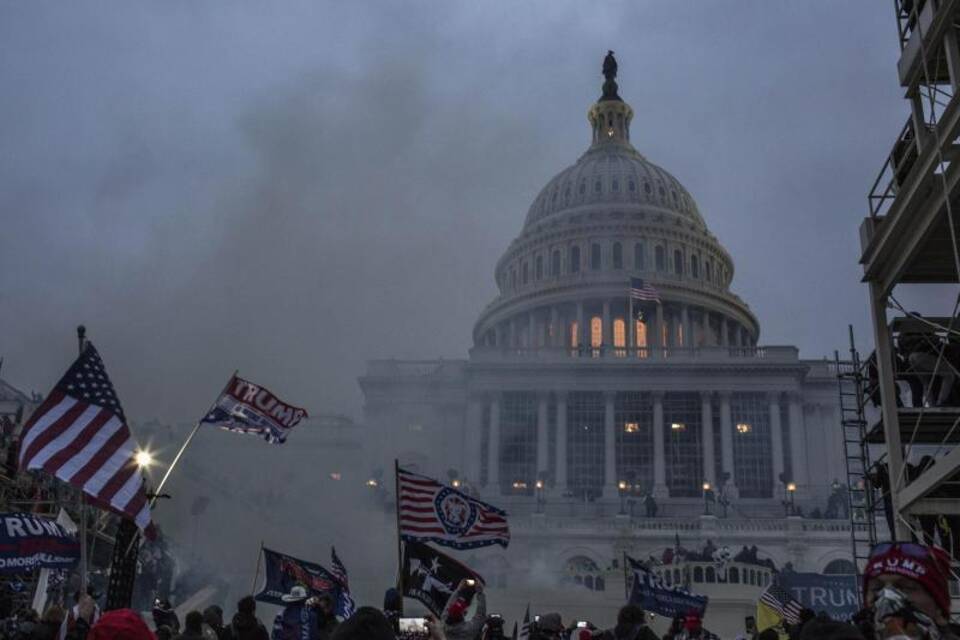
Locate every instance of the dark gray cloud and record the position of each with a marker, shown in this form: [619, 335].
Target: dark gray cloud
[291, 190]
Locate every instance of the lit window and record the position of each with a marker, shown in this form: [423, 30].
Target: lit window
[743, 427]
[678, 426]
[641, 329]
[619, 333]
[574, 335]
[596, 332]
[680, 336]
[631, 427]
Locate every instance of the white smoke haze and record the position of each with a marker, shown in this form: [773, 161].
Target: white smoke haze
[292, 190]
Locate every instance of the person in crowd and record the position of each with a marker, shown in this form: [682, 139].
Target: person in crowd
[823, 627]
[297, 621]
[455, 624]
[245, 624]
[192, 627]
[213, 618]
[548, 627]
[392, 604]
[164, 615]
[906, 594]
[326, 612]
[693, 629]
[366, 623]
[49, 626]
[631, 625]
[121, 624]
[77, 623]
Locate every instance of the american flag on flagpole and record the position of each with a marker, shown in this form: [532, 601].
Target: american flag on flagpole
[640, 290]
[432, 512]
[346, 606]
[778, 599]
[80, 435]
[525, 626]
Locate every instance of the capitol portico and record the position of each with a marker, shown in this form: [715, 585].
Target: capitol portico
[580, 399]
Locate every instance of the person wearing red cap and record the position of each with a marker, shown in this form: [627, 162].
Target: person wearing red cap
[455, 624]
[906, 593]
[122, 624]
[693, 629]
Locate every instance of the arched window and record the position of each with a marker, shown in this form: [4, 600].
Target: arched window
[677, 261]
[539, 269]
[698, 574]
[595, 256]
[638, 256]
[641, 335]
[596, 332]
[695, 266]
[574, 259]
[733, 575]
[619, 333]
[555, 263]
[617, 255]
[708, 269]
[526, 273]
[661, 259]
[711, 574]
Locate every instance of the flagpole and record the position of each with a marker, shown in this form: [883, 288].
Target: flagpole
[256, 573]
[84, 561]
[396, 484]
[196, 427]
[626, 589]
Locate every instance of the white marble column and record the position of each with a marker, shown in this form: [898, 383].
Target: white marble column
[493, 449]
[776, 442]
[471, 456]
[542, 459]
[609, 446]
[658, 338]
[798, 449]
[532, 342]
[555, 332]
[726, 439]
[660, 489]
[560, 477]
[607, 332]
[581, 330]
[706, 418]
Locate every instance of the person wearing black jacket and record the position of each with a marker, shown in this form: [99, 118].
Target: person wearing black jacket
[631, 625]
[245, 624]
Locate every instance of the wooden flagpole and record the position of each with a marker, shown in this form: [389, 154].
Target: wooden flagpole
[84, 561]
[396, 483]
[256, 573]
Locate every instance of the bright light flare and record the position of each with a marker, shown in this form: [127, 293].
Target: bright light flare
[144, 459]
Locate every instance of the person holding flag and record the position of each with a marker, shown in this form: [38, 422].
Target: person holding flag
[455, 623]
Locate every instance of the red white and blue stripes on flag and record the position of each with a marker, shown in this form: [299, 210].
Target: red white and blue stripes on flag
[245, 407]
[346, 605]
[640, 290]
[80, 435]
[432, 512]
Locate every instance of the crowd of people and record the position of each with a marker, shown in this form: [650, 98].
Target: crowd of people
[905, 596]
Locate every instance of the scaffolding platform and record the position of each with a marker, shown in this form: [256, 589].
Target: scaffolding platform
[937, 425]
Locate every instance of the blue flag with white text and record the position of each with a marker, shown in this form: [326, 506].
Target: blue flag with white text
[648, 591]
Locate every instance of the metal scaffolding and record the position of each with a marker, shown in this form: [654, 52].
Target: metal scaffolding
[911, 236]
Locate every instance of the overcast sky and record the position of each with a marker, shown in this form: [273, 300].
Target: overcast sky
[291, 189]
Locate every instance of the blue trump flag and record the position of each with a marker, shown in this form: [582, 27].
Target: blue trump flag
[284, 572]
[835, 595]
[650, 593]
[29, 542]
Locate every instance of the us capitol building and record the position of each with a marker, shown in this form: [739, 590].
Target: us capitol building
[582, 412]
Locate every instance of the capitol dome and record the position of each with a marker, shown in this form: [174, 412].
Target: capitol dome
[609, 221]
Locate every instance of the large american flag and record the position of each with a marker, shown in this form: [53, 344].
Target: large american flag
[640, 290]
[778, 599]
[434, 512]
[80, 435]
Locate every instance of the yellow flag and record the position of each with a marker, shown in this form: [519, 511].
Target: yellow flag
[767, 616]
